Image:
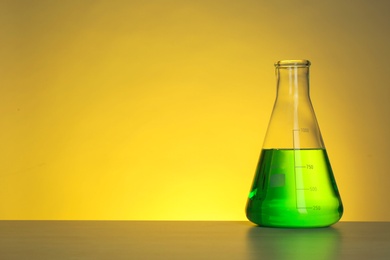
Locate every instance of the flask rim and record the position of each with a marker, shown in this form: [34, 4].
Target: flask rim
[292, 63]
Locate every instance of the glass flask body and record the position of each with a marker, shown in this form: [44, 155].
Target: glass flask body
[294, 185]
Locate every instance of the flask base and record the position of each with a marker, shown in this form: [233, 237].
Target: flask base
[294, 188]
[292, 220]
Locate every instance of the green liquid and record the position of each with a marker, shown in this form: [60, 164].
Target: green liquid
[294, 188]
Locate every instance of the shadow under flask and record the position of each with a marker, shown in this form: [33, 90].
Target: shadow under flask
[293, 184]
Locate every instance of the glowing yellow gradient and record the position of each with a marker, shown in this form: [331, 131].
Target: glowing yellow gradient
[158, 109]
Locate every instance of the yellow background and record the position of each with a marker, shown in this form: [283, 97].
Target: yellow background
[158, 109]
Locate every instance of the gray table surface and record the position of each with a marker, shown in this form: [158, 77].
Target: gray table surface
[189, 240]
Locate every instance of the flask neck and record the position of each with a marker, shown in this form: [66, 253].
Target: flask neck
[293, 123]
[292, 81]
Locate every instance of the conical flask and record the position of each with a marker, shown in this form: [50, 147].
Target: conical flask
[293, 184]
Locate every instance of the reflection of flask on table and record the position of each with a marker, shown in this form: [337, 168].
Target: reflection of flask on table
[294, 184]
[294, 244]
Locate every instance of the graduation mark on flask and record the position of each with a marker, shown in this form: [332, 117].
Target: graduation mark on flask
[301, 169]
[307, 166]
[314, 207]
[302, 129]
[312, 188]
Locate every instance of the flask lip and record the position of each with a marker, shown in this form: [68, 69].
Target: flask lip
[292, 63]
